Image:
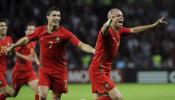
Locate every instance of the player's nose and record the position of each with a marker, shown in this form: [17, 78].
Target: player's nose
[56, 17]
[4, 28]
[122, 18]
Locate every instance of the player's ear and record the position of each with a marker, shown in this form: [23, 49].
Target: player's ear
[47, 17]
[60, 18]
[25, 32]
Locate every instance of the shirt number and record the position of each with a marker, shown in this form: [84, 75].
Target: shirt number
[50, 44]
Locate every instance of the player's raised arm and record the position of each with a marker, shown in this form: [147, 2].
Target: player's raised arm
[85, 47]
[106, 27]
[20, 42]
[146, 27]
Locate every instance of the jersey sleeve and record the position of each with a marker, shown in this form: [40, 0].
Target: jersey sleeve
[125, 31]
[17, 49]
[35, 35]
[73, 39]
[33, 45]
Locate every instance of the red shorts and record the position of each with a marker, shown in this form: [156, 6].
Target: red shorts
[56, 81]
[20, 78]
[3, 82]
[101, 82]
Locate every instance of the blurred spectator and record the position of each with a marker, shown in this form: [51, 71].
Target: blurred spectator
[157, 59]
[86, 60]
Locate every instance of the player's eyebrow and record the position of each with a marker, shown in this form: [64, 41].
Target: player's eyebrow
[119, 14]
[3, 25]
[56, 15]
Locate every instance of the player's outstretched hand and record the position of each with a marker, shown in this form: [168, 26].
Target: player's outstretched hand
[160, 21]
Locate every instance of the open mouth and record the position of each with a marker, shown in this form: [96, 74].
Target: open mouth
[2, 35]
[56, 21]
[121, 22]
[3, 32]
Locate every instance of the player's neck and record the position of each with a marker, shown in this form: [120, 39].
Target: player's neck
[115, 28]
[51, 28]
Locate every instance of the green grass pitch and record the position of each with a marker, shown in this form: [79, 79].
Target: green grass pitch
[129, 91]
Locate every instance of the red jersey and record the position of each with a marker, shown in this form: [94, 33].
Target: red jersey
[53, 47]
[4, 43]
[107, 48]
[22, 64]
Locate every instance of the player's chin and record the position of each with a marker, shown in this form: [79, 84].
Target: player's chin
[3, 34]
[119, 25]
[55, 24]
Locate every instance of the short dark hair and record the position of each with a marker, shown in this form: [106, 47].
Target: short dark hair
[3, 20]
[52, 9]
[30, 24]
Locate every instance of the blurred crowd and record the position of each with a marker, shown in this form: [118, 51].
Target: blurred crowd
[150, 49]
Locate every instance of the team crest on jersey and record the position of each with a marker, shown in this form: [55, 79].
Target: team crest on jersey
[106, 85]
[57, 39]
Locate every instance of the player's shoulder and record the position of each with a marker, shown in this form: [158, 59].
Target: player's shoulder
[100, 34]
[100, 31]
[65, 30]
[39, 29]
[8, 37]
[62, 28]
[123, 28]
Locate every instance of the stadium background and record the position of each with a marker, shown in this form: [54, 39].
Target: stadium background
[148, 57]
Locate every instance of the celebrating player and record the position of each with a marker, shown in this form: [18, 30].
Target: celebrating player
[23, 72]
[103, 88]
[5, 41]
[53, 39]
